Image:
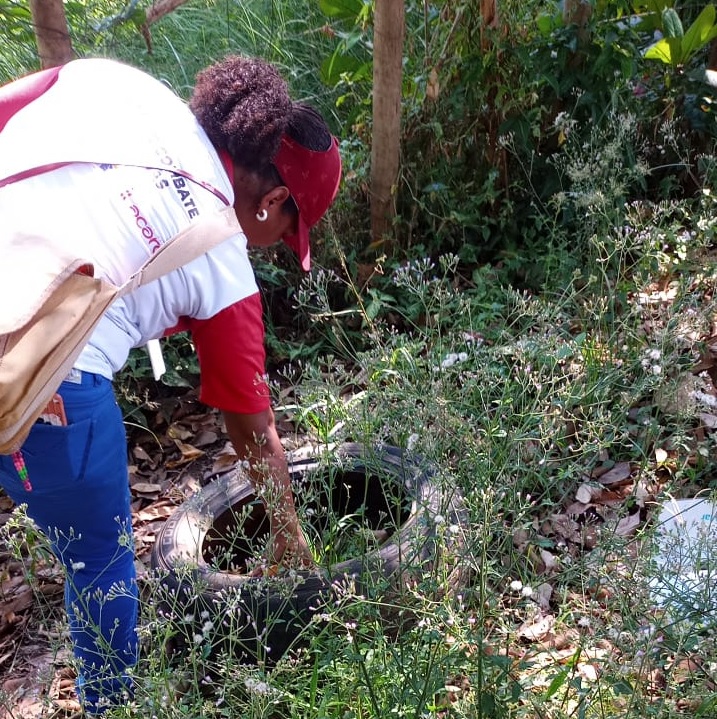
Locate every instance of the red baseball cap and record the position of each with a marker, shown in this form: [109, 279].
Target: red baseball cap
[312, 177]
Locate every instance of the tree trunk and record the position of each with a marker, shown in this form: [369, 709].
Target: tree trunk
[494, 116]
[389, 32]
[578, 13]
[489, 19]
[712, 57]
[51, 32]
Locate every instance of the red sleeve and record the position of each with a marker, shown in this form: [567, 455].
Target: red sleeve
[230, 347]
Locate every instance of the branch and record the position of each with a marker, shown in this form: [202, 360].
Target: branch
[157, 10]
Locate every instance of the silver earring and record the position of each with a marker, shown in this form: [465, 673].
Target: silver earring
[262, 216]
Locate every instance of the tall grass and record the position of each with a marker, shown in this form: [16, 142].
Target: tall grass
[188, 39]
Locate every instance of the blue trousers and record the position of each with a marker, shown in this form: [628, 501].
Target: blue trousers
[80, 500]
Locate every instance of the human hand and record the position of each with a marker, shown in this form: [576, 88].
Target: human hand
[290, 548]
[287, 547]
[255, 438]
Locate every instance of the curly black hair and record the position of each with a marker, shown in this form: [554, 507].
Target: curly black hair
[243, 104]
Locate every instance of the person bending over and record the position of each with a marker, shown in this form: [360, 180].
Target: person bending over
[127, 166]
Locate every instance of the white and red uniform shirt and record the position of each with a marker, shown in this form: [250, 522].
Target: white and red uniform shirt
[114, 212]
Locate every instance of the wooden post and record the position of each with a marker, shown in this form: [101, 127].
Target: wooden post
[51, 32]
[489, 19]
[712, 56]
[578, 13]
[389, 33]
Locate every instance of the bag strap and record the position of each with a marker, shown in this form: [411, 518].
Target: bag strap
[192, 242]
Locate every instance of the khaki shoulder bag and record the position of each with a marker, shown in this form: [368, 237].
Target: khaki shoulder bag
[47, 317]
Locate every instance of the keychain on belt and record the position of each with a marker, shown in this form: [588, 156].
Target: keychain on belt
[19, 461]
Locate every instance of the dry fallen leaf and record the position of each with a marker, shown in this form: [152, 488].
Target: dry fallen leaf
[536, 629]
[154, 511]
[577, 508]
[433, 85]
[177, 432]
[590, 537]
[627, 525]
[146, 488]
[542, 596]
[225, 460]
[563, 526]
[619, 473]
[561, 646]
[520, 539]
[587, 492]
[205, 437]
[139, 452]
[189, 454]
[588, 672]
[686, 669]
[550, 562]
[11, 685]
[20, 601]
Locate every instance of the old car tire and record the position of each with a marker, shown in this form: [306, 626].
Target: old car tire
[262, 618]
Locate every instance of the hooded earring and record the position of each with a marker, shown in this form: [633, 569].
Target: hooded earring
[262, 216]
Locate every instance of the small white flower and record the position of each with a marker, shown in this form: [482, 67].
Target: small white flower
[439, 519]
[454, 529]
[584, 622]
[411, 442]
[516, 585]
[256, 686]
[527, 591]
[704, 398]
[655, 354]
[656, 369]
[76, 566]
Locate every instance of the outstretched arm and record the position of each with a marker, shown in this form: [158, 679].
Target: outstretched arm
[255, 439]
